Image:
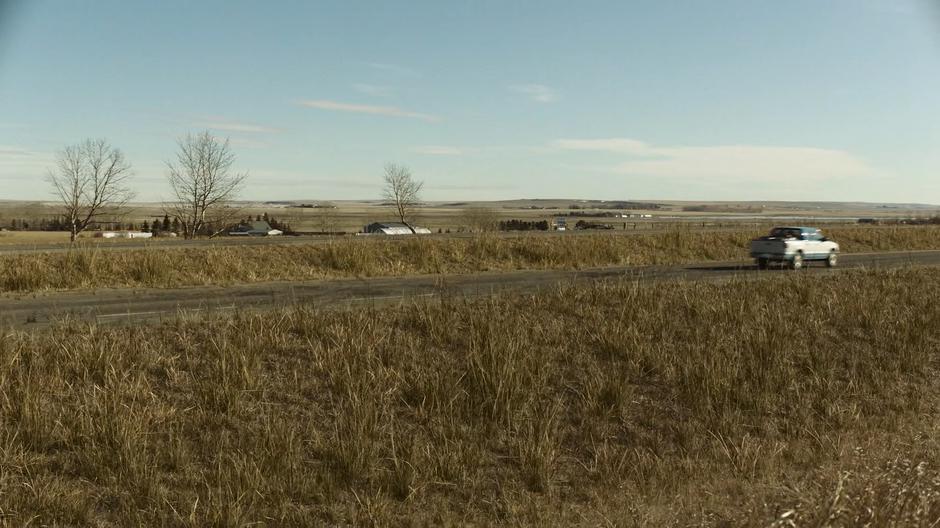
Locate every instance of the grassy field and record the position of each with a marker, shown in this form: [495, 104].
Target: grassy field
[26, 239]
[33, 237]
[351, 215]
[88, 267]
[805, 402]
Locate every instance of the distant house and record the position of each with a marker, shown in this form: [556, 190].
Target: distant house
[123, 234]
[259, 228]
[394, 228]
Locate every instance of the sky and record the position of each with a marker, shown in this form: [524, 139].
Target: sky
[820, 100]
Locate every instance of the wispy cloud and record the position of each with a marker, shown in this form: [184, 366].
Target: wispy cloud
[298, 179]
[373, 90]
[21, 161]
[392, 68]
[724, 163]
[248, 143]
[233, 126]
[10, 151]
[897, 7]
[438, 150]
[536, 92]
[618, 145]
[390, 111]
[481, 187]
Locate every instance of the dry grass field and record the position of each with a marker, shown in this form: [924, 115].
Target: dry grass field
[810, 401]
[91, 267]
[60, 239]
[351, 215]
[34, 237]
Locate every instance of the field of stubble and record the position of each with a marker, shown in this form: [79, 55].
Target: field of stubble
[806, 401]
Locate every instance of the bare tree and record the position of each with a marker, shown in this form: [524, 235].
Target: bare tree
[90, 181]
[204, 185]
[402, 191]
[480, 219]
[326, 218]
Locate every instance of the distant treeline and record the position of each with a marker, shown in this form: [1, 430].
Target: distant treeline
[34, 224]
[522, 225]
[60, 224]
[618, 205]
[721, 209]
[157, 225]
[272, 221]
[591, 214]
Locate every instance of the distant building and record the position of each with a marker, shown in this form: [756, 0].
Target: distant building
[259, 228]
[394, 228]
[122, 234]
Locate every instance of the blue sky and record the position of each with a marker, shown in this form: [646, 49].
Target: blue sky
[694, 99]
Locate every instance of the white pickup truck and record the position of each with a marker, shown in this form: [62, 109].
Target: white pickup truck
[795, 246]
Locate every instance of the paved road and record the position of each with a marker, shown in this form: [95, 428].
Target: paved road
[125, 305]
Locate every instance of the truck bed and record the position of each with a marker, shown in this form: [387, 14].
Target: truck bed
[771, 248]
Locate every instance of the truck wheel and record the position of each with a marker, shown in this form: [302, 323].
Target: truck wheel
[762, 263]
[797, 261]
[832, 260]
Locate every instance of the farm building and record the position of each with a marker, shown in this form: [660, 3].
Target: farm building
[394, 228]
[259, 228]
[123, 234]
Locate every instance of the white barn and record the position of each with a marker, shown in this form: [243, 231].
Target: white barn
[123, 234]
[394, 228]
[259, 228]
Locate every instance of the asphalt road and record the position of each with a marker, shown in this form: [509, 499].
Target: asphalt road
[131, 305]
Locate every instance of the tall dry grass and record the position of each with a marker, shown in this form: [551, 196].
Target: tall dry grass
[742, 403]
[88, 267]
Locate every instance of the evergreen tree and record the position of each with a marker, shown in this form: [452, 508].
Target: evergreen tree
[166, 223]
